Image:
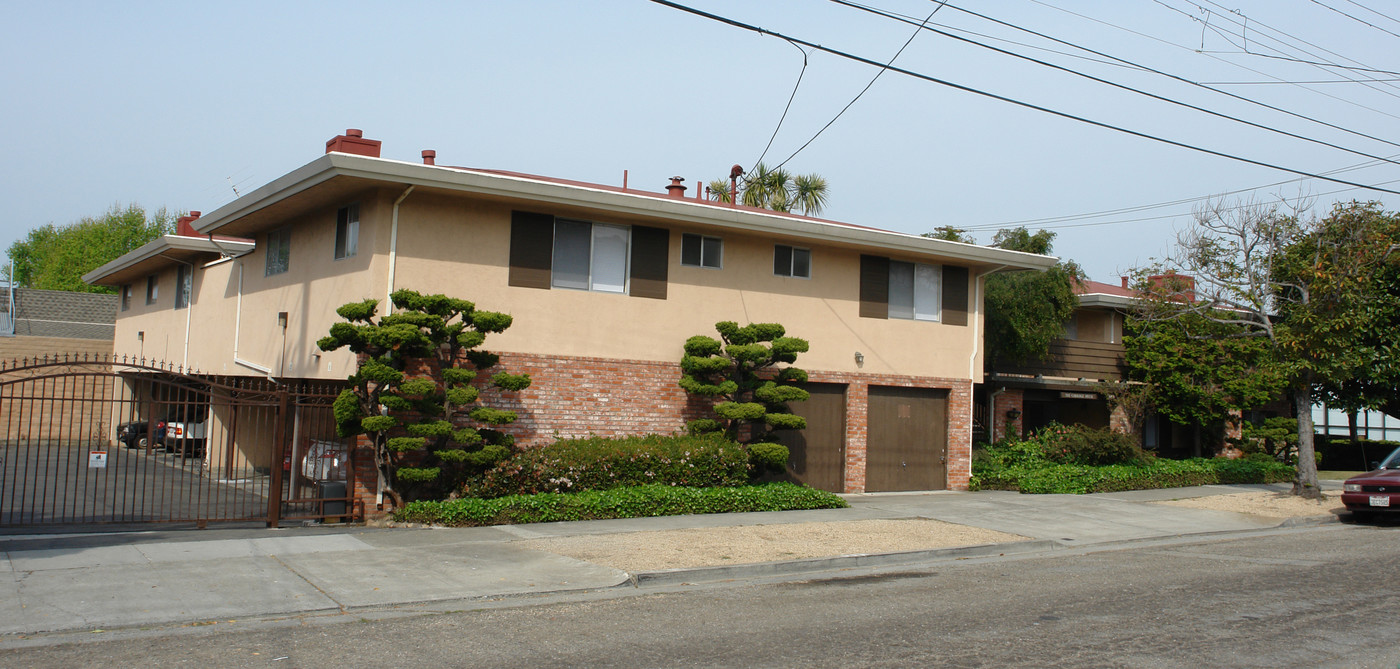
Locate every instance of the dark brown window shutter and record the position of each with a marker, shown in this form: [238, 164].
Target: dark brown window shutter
[954, 295]
[874, 287]
[531, 249]
[651, 252]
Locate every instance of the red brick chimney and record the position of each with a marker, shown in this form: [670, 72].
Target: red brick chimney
[184, 225]
[1177, 286]
[675, 189]
[353, 141]
[429, 157]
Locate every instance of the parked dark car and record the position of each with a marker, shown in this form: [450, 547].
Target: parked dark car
[136, 433]
[1376, 491]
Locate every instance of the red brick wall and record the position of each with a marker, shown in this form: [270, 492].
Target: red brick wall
[572, 396]
[1013, 399]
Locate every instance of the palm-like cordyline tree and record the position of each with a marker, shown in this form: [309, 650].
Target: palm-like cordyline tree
[777, 189]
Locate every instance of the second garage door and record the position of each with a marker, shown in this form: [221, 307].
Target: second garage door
[907, 439]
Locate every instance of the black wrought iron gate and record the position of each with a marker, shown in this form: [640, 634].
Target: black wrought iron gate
[117, 440]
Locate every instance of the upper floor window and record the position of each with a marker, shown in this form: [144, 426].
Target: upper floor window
[126, 296]
[792, 261]
[590, 256]
[915, 289]
[347, 231]
[152, 289]
[279, 251]
[1072, 327]
[550, 252]
[702, 251]
[918, 291]
[184, 284]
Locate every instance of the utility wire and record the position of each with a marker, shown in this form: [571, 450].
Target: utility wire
[1380, 14]
[1173, 203]
[785, 109]
[1227, 12]
[883, 69]
[1106, 82]
[1354, 18]
[1214, 57]
[1169, 75]
[1002, 98]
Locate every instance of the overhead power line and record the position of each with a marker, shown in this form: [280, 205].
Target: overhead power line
[1169, 75]
[1114, 84]
[1002, 98]
[1211, 56]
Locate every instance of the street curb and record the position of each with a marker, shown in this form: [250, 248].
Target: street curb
[810, 565]
[1306, 521]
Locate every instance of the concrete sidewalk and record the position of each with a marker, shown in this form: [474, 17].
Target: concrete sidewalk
[57, 583]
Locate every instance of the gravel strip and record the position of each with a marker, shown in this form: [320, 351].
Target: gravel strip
[1267, 504]
[707, 547]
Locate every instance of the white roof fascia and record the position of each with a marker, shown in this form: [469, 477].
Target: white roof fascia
[678, 209]
[165, 243]
[1107, 300]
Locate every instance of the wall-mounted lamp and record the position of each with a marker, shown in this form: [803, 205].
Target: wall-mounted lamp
[860, 359]
[1013, 414]
[282, 320]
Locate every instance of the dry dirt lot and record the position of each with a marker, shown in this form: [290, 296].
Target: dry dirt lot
[671, 549]
[1268, 504]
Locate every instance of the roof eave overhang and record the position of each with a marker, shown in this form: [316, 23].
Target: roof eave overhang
[393, 172]
[159, 253]
[1107, 301]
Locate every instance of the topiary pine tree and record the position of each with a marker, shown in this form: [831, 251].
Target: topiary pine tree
[415, 373]
[752, 399]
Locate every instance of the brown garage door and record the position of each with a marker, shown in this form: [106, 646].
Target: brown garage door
[819, 450]
[907, 443]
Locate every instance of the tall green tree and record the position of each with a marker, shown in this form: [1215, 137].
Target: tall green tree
[413, 391]
[777, 189]
[1198, 370]
[1026, 311]
[1303, 286]
[56, 257]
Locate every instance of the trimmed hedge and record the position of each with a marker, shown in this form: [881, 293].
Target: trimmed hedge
[1044, 464]
[631, 502]
[1161, 473]
[602, 463]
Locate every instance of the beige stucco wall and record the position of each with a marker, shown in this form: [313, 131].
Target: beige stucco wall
[461, 247]
[464, 249]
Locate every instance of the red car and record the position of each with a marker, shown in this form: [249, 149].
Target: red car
[1376, 491]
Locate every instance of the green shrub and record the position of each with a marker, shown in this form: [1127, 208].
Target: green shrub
[1079, 445]
[601, 463]
[1159, 473]
[630, 502]
[768, 457]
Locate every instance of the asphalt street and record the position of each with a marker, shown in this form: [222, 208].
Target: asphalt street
[1312, 596]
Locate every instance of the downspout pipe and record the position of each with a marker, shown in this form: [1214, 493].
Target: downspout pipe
[978, 333]
[394, 251]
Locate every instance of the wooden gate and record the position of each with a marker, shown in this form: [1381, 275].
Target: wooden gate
[100, 440]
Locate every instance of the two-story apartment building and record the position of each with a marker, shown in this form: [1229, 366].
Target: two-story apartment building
[604, 283]
[1061, 388]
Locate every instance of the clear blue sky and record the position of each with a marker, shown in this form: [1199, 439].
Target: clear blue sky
[173, 104]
